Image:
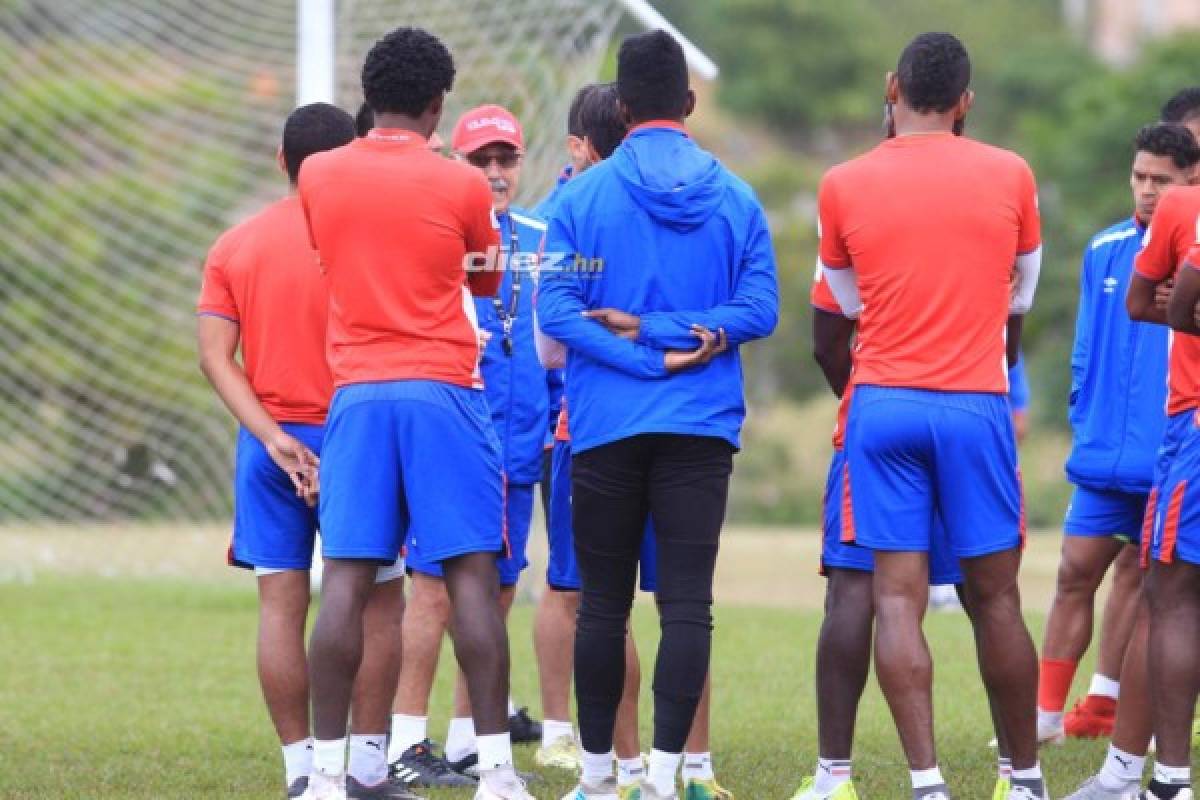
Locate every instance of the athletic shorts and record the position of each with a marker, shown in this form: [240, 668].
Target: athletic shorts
[1176, 514]
[1178, 426]
[839, 554]
[1102, 513]
[916, 456]
[411, 465]
[562, 570]
[518, 515]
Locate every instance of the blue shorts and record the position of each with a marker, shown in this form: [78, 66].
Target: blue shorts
[562, 570]
[1175, 503]
[1095, 513]
[272, 527]
[518, 515]
[411, 465]
[917, 456]
[839, 554]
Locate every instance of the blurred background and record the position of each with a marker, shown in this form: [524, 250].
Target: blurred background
[135, 131]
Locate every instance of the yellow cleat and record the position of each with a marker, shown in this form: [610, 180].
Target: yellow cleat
[843, 792]
[562, 753]
[1003, 786]
[705, 790]
[631, 792]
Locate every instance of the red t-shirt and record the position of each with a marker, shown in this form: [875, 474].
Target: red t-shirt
[932, 225]
[1173, 231]
[822, 297]
[263, 275]
[394, 223]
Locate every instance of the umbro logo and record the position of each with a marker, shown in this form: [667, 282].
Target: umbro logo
[1110, 285]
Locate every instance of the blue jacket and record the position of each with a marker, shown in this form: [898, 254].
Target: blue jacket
[515, 385]
[1118, 373]
[662, 230]
[554, 377]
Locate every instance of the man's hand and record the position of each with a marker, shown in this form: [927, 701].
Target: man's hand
[298, 462]
[711, 346]
[623, 324]
[1162, 295]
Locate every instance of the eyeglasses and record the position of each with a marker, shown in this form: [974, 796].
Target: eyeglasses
[505, 160]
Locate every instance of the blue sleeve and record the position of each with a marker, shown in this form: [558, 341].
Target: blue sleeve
[751, 313]
[561, 302]
[1018, 386]
[1083, 329]
[555, 386]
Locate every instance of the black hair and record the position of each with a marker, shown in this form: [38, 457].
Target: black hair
[314, 128]
[1169, 141]
[934, 70]
[405, 71]
[652, 76]
[601, 121]
[574, 126]
[1183, 106]
[364, 120]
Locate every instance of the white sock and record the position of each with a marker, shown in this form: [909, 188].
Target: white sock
[553, 730]
[329, 757]
[1034, 773]
[1104, 686]
[1121, 769]
[697, 767]
[1003, 768]
[297, 760]
[596, 766]
[406, 731]
[663, 768]
[495, 751]
[922, 778]
[630, 771]
[512, 708]
[460, 739]
[1173, 775]
[830, 774]
[368, 758]
[1049, 720]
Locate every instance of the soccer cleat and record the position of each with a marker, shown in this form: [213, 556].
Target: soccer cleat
[519, 792]
[1091, 718]
[1025, 793]
[390, 789]
[605, 790]
[323, 790]
[1001, 790]
[1182, 794]
[1050, 734]
[844, 791]
[631, 792]
[421, 766]
[523, 728]
[562, 753]
[1092, 790]
[695, 789]
[298, 787]
[648, 793]
[937, 794]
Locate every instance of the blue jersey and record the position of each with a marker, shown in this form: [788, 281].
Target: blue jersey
[515, 383]
[1118, 372]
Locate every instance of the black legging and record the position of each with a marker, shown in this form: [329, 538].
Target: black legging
[682, 483]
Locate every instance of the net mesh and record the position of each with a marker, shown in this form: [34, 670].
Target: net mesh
[136, 131]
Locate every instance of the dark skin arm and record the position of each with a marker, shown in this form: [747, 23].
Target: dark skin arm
[1140, 301]
[1181, 309]
[832, 335]
[1013, 341]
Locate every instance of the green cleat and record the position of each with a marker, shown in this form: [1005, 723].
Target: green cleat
[806, 791]
[705, 790]
[1002, 788]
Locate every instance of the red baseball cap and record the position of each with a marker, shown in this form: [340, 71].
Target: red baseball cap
[486, 125]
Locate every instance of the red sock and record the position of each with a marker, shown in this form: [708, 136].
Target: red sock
[1054, 683]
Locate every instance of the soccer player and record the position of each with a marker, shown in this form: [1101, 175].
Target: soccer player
[913, 242]
[654, 390]
[411, 458]
[263, 293]
[1117, 393]
[488, 138]
[364, 120]
[1183, 108]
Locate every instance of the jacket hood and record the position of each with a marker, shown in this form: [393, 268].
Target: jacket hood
[674, 180]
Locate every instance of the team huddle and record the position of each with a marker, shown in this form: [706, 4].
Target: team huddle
[417, 354]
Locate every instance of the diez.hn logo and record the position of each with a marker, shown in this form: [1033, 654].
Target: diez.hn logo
[497, 259]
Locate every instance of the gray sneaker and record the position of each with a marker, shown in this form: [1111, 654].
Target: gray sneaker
[1092, 790]
[605, 790]
[390, 789]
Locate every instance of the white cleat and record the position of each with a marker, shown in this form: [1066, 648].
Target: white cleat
[605, 790]
[1025, 793]
[518, 792]
[648, 793]
[1092, 790]
[319, 789]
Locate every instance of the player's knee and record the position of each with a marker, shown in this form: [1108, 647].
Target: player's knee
[429, 600]
[849, 593]
[1079, 575]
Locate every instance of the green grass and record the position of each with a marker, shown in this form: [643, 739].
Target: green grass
[146, 689]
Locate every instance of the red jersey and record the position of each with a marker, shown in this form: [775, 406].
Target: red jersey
[1174, 231]
[822, 297]
[262, 274]
[394, 224]
[932, 225]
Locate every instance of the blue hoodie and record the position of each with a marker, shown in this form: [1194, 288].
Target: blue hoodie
[515, 385]
[1118, 373]
[554, 377]
[662, 230]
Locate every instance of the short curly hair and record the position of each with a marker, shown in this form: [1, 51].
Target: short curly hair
[1169, 141]
[311, 129]
[405, 71]
[652, 76]
[1183, 106]
[934, 71]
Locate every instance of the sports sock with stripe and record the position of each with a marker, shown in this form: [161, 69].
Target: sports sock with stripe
[697, 767]
[830, 774]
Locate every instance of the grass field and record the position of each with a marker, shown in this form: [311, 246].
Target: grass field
[126, 671]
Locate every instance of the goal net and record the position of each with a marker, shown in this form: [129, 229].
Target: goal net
[134, 132]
